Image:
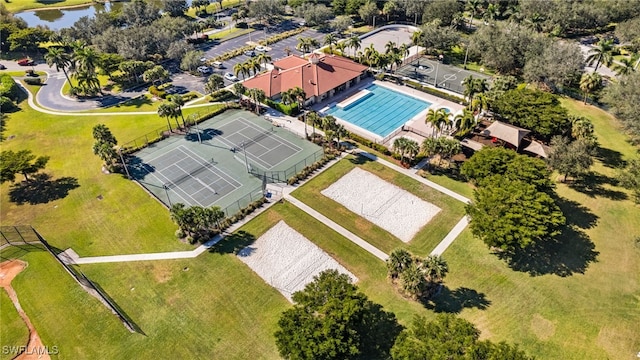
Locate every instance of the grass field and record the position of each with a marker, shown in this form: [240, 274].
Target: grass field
[103, 79]
[426, 239]
[13, 331]
[589, 315]
[67, 209]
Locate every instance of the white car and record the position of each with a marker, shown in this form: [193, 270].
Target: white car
[203, 59]
[204, 69]
[261, 48]
[229, 76]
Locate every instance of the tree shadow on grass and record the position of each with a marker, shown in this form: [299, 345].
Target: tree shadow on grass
[17, 251]
[454, 301]
[41, 189]
[233, 243]
[610, 158]
[577, 214]
[361, 159]
[570, 252]
[593, 185]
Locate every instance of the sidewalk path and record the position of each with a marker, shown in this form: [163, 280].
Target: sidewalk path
[339, 229]
[452, 235]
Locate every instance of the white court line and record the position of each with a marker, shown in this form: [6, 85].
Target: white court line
[281, 161]
[280, 139]
[187, 151]
[174, 187]
[258, 160]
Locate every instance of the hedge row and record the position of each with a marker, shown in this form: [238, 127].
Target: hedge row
[290, 110]
[33, 81]
[432, 91]
[222, 95]
[6, 105]
[153, 90]
[8, 87]
[370, 144]
[308, 170]
[273, 39]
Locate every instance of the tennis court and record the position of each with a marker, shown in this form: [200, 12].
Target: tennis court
[214, 163]
[431, 72]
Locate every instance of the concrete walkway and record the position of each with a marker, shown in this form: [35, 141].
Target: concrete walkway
[339, 229]
[452, 235]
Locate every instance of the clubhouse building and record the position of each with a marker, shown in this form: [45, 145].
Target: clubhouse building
[321, 76]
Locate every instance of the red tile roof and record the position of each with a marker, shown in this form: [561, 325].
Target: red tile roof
[315, 79]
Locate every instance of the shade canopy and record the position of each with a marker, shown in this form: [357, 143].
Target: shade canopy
[537, 148]
[505, 132]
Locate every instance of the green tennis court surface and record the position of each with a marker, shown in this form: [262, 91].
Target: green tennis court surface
[431, 72]
[212, 163]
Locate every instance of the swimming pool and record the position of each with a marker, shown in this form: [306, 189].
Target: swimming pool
[380, 111]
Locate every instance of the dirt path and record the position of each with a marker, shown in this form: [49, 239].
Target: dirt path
[35, 347]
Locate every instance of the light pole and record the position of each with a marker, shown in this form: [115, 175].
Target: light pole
[123, 163]
[435, 80]
[194, 117]
[166, 190]
[244, 150]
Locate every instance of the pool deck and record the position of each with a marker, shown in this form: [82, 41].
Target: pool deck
[417, 122]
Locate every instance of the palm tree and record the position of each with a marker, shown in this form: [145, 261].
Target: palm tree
[417, 38]
[437, 119]
[87, 82]
[625, 67]
[165, 110]
[473, 6]
[240, 68]
[313, 118]
[464, 122]
[430, 147]
[58, 57]
[400, 146]
[412, 279]
[330, 39]
[469, 88]
[287, 98]
[399, 260]
[354, 43]
[214, 83]
[340, 132]
[404, 51]
[239, 89]
[390, 47]
[448, 148]
[263, 58]
[602, 53]
[253, 66]
[590, 82]
[370, 54]
[178, 102]
[328, 123]
[258, 96]
[300, 96]
[86, 59]
[304, 45]
[434, 269]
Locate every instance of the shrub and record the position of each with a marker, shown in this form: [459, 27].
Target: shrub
[242, 25]
[189, 96]
[33, 81]
[370, 144]
[153, 90]
[8, 87]
[6, 105]
[179, 234]
[222, 95]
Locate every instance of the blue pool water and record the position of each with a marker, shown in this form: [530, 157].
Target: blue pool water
[380, 112]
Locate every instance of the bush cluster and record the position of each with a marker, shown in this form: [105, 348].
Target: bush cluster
[189, 96]
[222, 95]
[291, 110]
[370, 144]
[153, 90]
[33, 81]
[8, 87]
[438, 93]
[6, 105]
[310, 169]
[224, 224]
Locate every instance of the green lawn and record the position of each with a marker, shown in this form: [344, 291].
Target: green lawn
[20, 5]
[230, 33]
[13, 331]
[213, 7]
[422, 244]
[592, 311]
[103, 79]
[101, 214]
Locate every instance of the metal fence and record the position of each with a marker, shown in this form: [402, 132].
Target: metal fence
[146, 139]
[253, 195]
[281, 176]
[418, 132]
[25, 234]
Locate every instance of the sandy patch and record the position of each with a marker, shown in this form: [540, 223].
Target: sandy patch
[35, 348]
[384, 204]
[286, 260]
[543, 328]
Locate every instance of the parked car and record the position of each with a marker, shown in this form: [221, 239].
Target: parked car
[204, 69]
[261, 48]
[250, 53]
[217, 64]
[25, 62]
[2, 67]
[229, 76]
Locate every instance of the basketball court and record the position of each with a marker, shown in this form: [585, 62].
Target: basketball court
[433, 72]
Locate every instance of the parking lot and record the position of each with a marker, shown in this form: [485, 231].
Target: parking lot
[277, 51]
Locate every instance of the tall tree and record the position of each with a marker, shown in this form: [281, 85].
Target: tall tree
[214, 83]
[629, 177]
[512, 214]
[166, 110]
[331, 319]
[570, 158]
[623, 97]
[21, 162]
[398, 261]
[590, 82]
[178, 101]
[330, 40]
[601, 54]
[58, 57]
